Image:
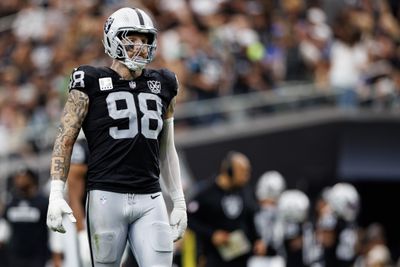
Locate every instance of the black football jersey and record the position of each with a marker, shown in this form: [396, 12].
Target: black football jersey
[123, 126]
[27, 219]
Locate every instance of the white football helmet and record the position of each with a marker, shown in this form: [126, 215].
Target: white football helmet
[117, 28]
[270, 186]
[344, 201]
[293, 206]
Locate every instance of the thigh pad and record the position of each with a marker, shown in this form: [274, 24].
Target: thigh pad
[105, 246]
[161, 238]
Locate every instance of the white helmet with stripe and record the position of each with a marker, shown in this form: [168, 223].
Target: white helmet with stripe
[344, 200]
[270, 186]
[118, 27]
[293, 206]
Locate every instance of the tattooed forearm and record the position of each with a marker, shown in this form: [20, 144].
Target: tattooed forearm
[74, 113]
[57, 166]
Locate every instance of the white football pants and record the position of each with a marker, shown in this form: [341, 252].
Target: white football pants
[113, 218]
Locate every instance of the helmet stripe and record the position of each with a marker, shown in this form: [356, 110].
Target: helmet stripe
[141, 20]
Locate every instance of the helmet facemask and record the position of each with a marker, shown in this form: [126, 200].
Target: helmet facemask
[143, 52]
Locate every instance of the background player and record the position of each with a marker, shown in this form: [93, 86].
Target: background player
[337, 230]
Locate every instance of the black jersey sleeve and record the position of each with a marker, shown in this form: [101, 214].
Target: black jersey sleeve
[171, 80]
[84, 79]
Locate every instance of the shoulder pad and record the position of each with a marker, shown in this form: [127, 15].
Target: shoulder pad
[170, 77]
[83, 77]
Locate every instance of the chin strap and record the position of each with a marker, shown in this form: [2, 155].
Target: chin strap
[132, 65]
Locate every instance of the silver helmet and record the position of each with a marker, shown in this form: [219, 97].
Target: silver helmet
[344, 200]
[293, 206]
[270, 185]
[119, 26]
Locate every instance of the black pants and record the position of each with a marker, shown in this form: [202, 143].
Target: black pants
[216, 261]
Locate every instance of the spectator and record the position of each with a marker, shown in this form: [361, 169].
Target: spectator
[348, 60]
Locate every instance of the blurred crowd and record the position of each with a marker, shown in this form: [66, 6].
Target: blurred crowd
[216, 47]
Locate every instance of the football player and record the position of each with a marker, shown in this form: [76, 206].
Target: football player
[77, 196]
[294, 231]
[268, 190]
[337, 230]
[126, 113]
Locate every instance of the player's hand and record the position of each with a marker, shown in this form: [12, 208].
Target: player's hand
[220, 237]
[178, 219]
[58, 207]
[260, 248]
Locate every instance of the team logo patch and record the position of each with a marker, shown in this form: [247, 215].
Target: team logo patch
[108, 23]
[154, 86]
[132, 84]
[232, 205]
[105, 84]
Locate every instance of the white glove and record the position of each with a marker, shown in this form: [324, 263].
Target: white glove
[178, 218]
[58, 207]
[84, 249]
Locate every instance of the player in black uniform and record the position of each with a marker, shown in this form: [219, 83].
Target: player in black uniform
[338, 229]
[269, 187]
[77, 195]
[294, 231]
[126, 113]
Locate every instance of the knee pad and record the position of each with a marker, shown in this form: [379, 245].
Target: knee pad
[161, 237]
[104, 246]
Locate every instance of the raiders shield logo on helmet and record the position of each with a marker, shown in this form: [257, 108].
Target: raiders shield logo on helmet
[108, 23]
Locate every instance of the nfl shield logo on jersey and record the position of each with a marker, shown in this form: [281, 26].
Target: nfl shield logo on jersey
[154, 86]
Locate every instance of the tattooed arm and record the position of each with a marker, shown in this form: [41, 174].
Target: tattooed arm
[74, 113]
